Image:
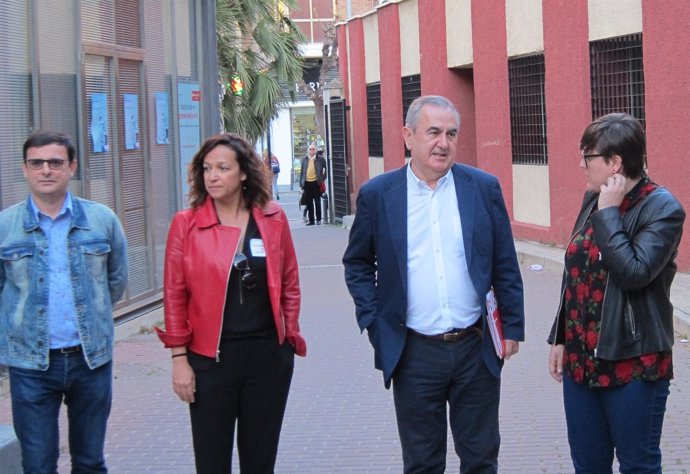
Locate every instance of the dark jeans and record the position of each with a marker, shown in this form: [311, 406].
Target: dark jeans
[312, 193]
[249, 386]
[627, 418]
[433, 374]
[36, 399]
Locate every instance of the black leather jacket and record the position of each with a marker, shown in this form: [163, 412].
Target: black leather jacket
[638, 251]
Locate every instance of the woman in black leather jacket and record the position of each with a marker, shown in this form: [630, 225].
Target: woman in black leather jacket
[612, 337]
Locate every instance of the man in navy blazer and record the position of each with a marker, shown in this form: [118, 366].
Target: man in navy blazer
[427, 243]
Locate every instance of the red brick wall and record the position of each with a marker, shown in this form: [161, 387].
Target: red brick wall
[437, 79]
[491, 93]
[358, 7]
[667, 101]
[568, 111]
[391, 87]
[359, 139]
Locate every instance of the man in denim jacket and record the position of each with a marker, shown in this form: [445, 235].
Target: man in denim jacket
[64, 265]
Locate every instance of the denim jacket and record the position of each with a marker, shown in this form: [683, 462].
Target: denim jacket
[98, 265]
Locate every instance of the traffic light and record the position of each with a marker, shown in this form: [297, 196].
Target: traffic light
[236, 85]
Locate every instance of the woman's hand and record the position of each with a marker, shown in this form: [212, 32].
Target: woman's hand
[556, 362]
[183, 380]
[612, 193]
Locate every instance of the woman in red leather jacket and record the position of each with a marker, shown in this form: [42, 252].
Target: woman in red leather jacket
[232, 301]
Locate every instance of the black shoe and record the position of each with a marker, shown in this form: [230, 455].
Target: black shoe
[318, 222]
[309, 223]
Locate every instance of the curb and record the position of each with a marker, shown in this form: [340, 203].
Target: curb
[551, 258]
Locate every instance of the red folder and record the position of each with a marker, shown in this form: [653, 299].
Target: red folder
[493, 320]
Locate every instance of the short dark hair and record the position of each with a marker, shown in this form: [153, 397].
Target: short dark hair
[618, 134]
[43, 138]
[255, 188]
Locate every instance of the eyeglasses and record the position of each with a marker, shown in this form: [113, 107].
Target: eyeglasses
[589, 156]
[53, 163]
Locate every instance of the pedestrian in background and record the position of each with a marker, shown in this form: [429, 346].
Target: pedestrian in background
[427, 243]
[612, 336]
[312, 176]
[232, 302]
[273, 164]
[64, 265]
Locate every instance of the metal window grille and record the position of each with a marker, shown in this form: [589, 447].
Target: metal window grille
[528, 110]
[411, 89]
[617, 76]
[374, 126]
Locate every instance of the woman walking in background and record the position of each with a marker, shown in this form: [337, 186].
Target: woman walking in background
[232, 301]
[613, 333]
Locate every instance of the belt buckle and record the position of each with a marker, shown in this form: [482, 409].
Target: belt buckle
[453, 336]
[70, 350]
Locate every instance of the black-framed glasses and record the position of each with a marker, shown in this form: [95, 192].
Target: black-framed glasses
[247, 277]
[589, 156]
[53, 163]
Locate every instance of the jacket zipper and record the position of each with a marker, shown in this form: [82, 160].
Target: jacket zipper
[225, 301]
[603, 305]
[560, 303]
[631, 318]
[264, 231]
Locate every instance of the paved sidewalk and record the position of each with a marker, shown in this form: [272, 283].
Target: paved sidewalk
[339, 416]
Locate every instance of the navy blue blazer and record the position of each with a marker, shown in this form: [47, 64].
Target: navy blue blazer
[376, 260]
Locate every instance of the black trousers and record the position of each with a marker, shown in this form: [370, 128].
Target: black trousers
[431, 376]
[312, 193]
[248, 388]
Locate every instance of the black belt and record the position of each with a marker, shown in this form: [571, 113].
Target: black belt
[66, 350]
[454, 335]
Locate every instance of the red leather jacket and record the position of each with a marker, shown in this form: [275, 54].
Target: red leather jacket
[198, 261]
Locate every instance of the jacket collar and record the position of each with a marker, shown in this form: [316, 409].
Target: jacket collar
[78, 216]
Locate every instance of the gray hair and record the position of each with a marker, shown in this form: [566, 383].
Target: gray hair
[412, 118]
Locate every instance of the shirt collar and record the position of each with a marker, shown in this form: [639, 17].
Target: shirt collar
[66, 206]
[415, 182]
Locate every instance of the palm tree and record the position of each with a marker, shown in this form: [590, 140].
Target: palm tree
[258, 50]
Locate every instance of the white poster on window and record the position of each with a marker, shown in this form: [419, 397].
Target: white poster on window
[99, 123]
[162, 137]
[131, 110]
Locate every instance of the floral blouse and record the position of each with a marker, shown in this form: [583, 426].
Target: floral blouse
[584, 293]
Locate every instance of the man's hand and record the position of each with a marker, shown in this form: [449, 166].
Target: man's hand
[556, 362]
[512, 348]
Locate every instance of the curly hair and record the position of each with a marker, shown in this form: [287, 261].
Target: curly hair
[254, 189]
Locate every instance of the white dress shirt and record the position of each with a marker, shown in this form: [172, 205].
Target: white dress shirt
[441, 296]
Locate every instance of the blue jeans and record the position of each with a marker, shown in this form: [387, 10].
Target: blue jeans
[438, 381]
[36, 399]
[627, 418]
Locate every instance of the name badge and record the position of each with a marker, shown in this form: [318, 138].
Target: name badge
[256, 246]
